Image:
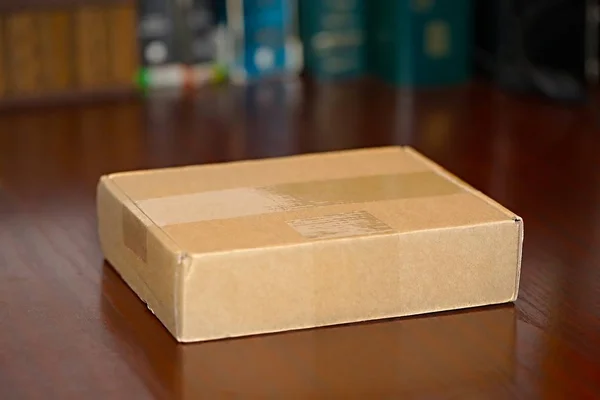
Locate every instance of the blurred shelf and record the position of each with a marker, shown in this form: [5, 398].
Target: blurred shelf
[16, 5]
[69, 97]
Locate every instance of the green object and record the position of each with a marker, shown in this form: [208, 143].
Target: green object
[142, 80]
[220, 74]
[420, 42]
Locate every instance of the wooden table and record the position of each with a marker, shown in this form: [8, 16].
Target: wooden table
[71, 329]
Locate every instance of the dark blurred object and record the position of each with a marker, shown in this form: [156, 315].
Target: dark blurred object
[334, 38]
[533, 46]
[592, 51]
[422, 43]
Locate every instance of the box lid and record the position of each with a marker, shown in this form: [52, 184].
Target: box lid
[306, 198]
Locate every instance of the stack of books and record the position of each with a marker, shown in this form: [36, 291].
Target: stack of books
[180, 43]
[112, 45]
[193, 42]
[405, 42]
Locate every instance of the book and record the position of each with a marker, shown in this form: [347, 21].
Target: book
[263, 39]
[56, 53]
[183, 43]
[204, 40]
[200, 30]
[123, 51]
[334, 36]
[2, 60]
[92, 47]
[23, 69]
[592, 64]
[156, 33]
[420, 42]
[161, 50]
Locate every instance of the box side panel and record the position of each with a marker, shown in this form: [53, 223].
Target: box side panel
[349, 280]
[460, 267]
[139, 251]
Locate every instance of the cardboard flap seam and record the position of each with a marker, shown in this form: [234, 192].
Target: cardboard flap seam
[341, 239]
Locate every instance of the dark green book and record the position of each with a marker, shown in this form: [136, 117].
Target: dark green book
[334, 37]
[420, 42]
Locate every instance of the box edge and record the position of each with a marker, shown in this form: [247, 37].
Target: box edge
[521, 224]
[253, 160]
[111, 186]
[431, 313]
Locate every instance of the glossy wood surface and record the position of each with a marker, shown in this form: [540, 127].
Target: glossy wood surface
[71, 329]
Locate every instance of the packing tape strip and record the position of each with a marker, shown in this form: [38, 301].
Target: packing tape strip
[135, 234]
[242, 202]
[347, 224]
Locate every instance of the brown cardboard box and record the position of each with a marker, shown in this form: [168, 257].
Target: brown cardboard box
[261, 246]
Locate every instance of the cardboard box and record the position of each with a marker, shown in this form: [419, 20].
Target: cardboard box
[261, 246]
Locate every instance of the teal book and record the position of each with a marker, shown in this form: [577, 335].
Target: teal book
[420, 43]
[334, 37]
[263, 39]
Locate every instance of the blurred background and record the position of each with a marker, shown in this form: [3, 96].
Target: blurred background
[503, 93]
[163, 82]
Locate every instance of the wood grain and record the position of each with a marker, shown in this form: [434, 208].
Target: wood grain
[72, 329]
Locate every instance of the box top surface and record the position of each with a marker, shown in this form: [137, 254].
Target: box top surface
[306, 198]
